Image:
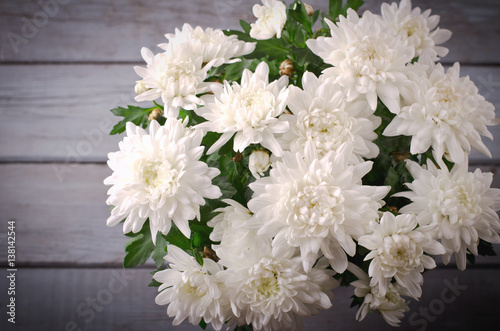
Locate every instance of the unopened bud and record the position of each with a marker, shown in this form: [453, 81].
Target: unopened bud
[309, 9]
[155, 114]
[286, 68]
[140, 87]
[209, 253]
[259, 162]
[400, 157]
[238, 157]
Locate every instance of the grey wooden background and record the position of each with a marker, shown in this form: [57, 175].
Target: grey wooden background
[61, 72]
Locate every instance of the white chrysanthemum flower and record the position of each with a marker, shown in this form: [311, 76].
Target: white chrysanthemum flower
[159, 176]
[390, 305]
[271, 19]
[368, 58]
[446, 112]
[258, 162]
[249, 110]
[317, 204]
[322, 114]
[460, 203]
[177, 76]
[272, 291]
[190, 290]
[397, 250]
[211, 44]
[234, 229]
[417, 29]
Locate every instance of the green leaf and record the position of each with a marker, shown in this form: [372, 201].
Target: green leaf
[392, 178]
[354, 4]
[233, 71]
[136, 115]
[334, 8]
[177, 238]
[300, 38]
[203, 324]
[200, 231]
[154, 283]
[228, 191]
[298, 12]
[485, 248]
[241, 35]
[139, 248]
[273, 48]
[245, 26]
[159, 252]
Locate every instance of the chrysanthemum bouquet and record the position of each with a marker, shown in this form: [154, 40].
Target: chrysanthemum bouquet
[309, 150]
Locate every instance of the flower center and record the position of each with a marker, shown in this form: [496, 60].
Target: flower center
[159, 177]
[446, 94]
[316, 208]
[459, 202]
[328, 129]
[400, 251]
[253, 107]
[193, 289]
[268, 286]
[264, 283]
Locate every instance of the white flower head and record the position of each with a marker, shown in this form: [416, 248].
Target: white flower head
[397, 250]
[417, 29]
[322, 114]
[271, 19]
[317, 204]
[258, 163]
[211, 44]
[368, 58]
[159, 176]
[191, 290]
[390, 305]
[272, 291]
[234, 228]
[444, 111]
[176, 76]
[459, 203]
[248, 111]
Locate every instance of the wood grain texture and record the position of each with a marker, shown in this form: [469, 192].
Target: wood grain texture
[115, 299]
[62, 113]
[59, 79]
[115, 30]
[62, 223]
[59, 222]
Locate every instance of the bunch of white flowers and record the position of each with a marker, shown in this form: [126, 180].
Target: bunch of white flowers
[286, 154]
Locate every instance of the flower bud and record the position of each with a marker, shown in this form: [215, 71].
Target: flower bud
[286, 68]
[238, 157]
[309, 9]
[401, 156]
[259, 162]
[155, 114]
[140, 87]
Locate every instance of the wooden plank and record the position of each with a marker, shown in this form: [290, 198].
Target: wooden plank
[66, 118]
[114, 299]
[115, 30]
[61, 223]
